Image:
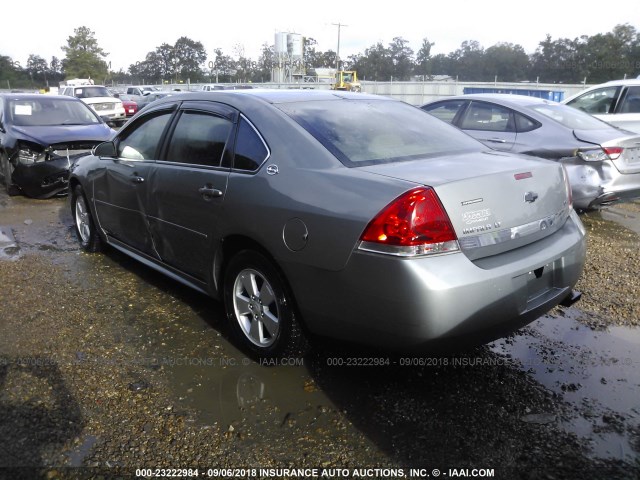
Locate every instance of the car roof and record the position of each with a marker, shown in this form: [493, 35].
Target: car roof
[275, 95]
[507, 99]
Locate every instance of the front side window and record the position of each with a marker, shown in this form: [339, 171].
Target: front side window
[487, 116]
[142, 141]
[199, 139]
[446, 111]
[598, 101]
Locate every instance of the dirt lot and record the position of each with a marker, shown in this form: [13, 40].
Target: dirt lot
[107, 367]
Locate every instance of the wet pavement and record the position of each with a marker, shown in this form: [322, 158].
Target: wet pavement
[107, 367]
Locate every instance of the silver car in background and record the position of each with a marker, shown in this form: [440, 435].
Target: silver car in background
[336, 214]
[603, 161]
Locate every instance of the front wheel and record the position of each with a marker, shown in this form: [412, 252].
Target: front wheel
[260, 308]
[83, 221]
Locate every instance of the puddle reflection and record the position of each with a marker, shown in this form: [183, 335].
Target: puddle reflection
[597, 372]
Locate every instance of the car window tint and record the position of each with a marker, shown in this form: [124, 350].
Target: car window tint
[524, 124]
[142, 142]
[598, 101]
[631, 102]
[446, 110]
[199, 139]
[486, 116]
[569, 117]
[367, 132]
[251, 151]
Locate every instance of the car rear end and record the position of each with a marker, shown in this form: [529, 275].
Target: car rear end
[611, 170]
[476, 245]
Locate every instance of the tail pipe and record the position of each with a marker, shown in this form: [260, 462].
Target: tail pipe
[572, 298]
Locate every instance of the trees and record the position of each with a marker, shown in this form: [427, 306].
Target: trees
[84, 58]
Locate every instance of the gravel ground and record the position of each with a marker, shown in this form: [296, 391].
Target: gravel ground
[611, 283]
[85, 393]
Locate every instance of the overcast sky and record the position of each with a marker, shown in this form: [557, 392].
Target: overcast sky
[128, 30]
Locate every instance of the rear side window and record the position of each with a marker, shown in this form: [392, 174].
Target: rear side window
[487, 116]
[251, 152]
[445, 111]
[525, 124]
[199, 139]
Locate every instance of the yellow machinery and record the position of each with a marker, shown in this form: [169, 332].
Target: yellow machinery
[346, 80]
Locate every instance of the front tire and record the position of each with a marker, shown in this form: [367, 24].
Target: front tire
[83, 221]
[261, 311]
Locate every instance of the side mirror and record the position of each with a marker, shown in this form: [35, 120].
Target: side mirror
[105, 149]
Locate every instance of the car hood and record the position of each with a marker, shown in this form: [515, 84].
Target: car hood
[65, 133]
[495, 201]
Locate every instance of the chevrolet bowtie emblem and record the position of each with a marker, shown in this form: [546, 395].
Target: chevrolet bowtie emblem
[530, 197]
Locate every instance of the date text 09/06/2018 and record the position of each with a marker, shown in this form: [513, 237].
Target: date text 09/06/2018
[369, 473]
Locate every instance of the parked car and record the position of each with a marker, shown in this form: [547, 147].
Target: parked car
[210, 87]
[333, 213]
[100, 100]
[130, 105]
[152, 97]
[40, 137]
[616, 102]
[603, 161]
[140, 90]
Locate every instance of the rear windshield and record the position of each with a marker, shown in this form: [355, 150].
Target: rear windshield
[366, 132]
[569, 117]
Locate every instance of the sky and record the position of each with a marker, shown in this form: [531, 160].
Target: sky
[128, 30]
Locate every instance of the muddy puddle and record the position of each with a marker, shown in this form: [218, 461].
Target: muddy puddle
[597, 372]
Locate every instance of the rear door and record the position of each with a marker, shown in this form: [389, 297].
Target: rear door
[188, 185]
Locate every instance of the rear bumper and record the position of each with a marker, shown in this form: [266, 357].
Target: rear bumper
[600, 183]
[446, 300]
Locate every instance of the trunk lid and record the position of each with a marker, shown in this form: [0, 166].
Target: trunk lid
[629, 159]
[496, 202]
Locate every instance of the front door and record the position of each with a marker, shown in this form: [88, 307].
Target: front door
[188, 186]
[120, 188]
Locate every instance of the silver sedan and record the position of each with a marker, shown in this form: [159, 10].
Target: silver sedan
[333, 214]
[603, 161]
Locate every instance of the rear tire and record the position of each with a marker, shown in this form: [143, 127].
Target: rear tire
[260, 308]
[83, 221]
[7, 172]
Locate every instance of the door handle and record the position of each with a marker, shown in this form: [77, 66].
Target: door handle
[137, 179]
[496, 140]
[209, 192]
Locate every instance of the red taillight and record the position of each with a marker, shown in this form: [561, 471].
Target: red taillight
[413, 224]
[613, 152]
